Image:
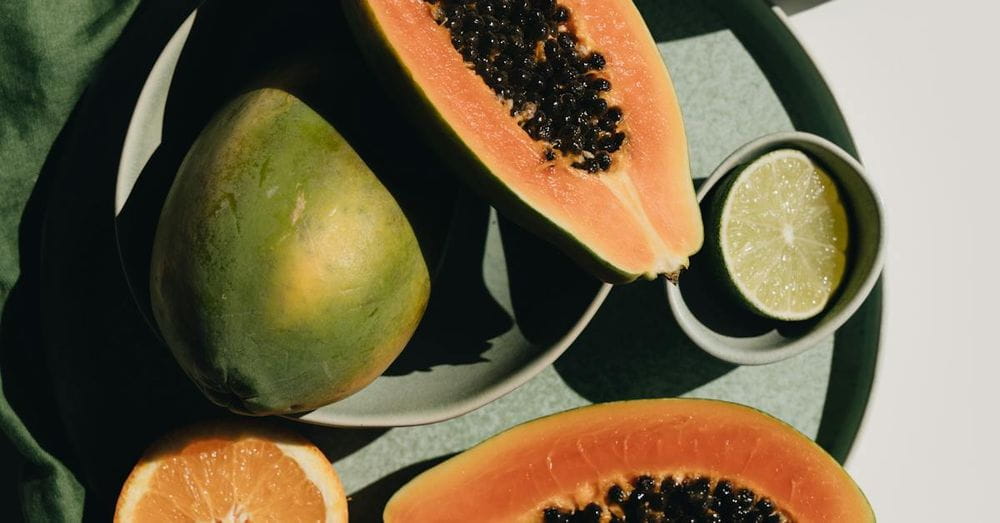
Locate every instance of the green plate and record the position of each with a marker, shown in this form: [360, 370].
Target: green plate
[739, 73]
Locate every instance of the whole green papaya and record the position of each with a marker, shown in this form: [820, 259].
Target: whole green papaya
[284, 274]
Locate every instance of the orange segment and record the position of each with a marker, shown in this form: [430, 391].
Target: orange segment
[232, 472]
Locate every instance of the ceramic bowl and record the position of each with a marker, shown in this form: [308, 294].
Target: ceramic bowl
[503, 305]
[728, 332]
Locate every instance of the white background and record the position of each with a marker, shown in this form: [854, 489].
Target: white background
[919, 83]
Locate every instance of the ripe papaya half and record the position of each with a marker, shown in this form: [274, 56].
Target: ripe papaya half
[561, 114]
[665, 460]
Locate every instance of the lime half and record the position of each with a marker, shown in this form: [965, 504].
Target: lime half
[782, 233]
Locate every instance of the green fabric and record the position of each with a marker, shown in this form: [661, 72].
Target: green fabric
[48, 51]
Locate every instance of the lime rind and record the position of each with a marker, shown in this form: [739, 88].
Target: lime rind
[782, 235]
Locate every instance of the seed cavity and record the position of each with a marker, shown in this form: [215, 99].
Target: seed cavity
[527, 53]
[670, 500]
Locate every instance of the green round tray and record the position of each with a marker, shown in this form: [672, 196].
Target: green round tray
[739, 73]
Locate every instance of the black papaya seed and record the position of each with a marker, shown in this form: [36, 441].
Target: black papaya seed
[552, 105]
[520, 77]
[471, 38]
[744, 499]
[566, 40]
[536, 17]
[604, 162]
[561, 14]
[596, 61]
[524, 53]
[617, 140]
[765, 505]
[552, 50]
[554, 515]
[504, 62]
[600, 84]
[474, 23]
[597, 106]
[613, 114]
[546, 6]
[490, 23]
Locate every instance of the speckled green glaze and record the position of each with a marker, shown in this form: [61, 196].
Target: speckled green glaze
[739, 74]
[632, 348]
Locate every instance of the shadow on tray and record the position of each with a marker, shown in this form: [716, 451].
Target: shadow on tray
[634, 349]
[367, 504]
[678, 19]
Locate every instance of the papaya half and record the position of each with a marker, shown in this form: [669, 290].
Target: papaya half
[562, 115]
[663, 460]
[284, 274]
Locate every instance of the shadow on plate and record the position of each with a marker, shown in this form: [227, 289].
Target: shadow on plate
[548, 293]
[462, 316]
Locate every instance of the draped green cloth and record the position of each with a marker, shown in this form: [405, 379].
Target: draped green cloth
[49, 51]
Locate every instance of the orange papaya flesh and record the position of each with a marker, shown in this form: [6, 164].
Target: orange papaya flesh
[702, 459]
[638, 218]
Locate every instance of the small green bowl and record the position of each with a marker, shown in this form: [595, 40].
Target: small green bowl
[721, 327]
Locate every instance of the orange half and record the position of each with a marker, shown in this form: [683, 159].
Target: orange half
[232, 472]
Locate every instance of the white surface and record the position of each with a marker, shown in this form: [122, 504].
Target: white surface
[919, 82]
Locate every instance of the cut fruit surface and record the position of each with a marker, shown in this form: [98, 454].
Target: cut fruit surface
[232, 472]
[604, 175]
[643, 460]
[783, 235]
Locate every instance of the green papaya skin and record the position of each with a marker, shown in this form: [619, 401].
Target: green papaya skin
[284, 275]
